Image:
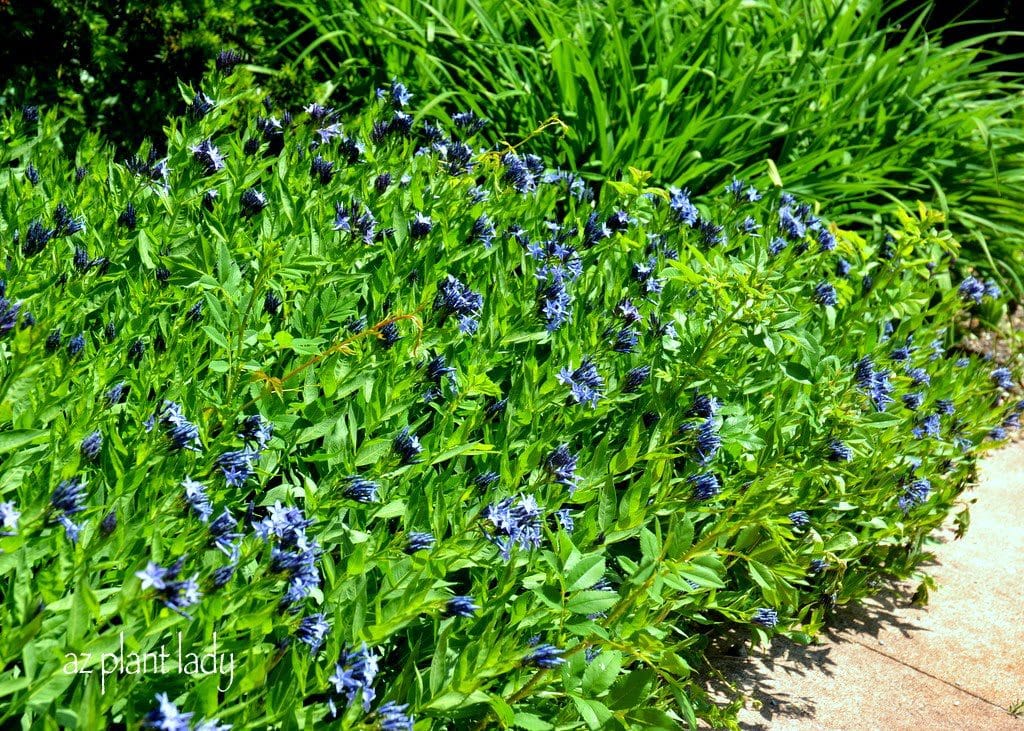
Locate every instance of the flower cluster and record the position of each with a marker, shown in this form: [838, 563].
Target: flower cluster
[293, 552]
[515, 523]
[175, 595]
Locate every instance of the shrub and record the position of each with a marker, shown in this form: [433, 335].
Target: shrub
[411, 428]
[113, 67]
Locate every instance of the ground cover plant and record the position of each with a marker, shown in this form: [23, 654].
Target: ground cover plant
[854, 112]
[422, 436]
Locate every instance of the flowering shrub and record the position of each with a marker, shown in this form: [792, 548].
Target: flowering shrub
[425, 437]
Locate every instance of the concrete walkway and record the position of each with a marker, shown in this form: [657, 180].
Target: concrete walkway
[956, 664]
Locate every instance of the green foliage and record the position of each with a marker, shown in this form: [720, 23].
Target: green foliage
[649, 574]
[699, 91]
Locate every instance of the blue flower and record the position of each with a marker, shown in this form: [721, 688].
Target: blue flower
[166, 716]
[945, 407]
[705, 485]
[460, 606]
[321, 169]
[1002, 377]
[929, 427]
[825, 294]
[703, 406]
[636, 378]
[817, 565]
[791, 226]
[913, 401]
[223, 575]
[256, 430]
[482, 231]
[53, 341]
[394, 717]
[8, 315]
[469, 122]
[76, 345]
[680, 205]
[272, 303]
[91, 445]
[237, 465]
[585, 383]
[252, 201]
[175, 595]
[201, 106]
[842, 268]
[708, 441]
[914, 494]
[826, 240]
[839, 452]
[799, 519]
[381, 182]
[313, 630]
[9, 516]
[31, 174]
[626, 340]
[287, 524]
[354, 676]
[515, 523]
[197, 499]
[594, 230]
[396, 94]
[227, 60]
[972, 289]
[225, 537]
[207, 155]
[485, 479]
[360, 489]
[389, 335]
[561, 464]
[711, 234]
[69, 496]
[455, 298]
[750, 226]
[777, 246]
[517, 173]
[555, 304]
[565, 520]
[419, 542]
[407, 446]
[421, 226]
[765, 617]
[546, 656]
[919, 377]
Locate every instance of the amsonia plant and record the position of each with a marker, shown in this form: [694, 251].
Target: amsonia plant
[311, 422]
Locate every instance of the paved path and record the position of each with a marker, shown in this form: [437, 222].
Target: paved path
[956, 665]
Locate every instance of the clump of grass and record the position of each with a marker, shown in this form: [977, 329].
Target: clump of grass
[851, 112]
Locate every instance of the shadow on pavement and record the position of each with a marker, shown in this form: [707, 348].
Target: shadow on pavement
[757, 676]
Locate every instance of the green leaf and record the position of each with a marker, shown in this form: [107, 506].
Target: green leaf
[630, 690]
[11, 440]
[590, 602]
[602, 671]
[530, 722]
[584, 573]
[797, 372]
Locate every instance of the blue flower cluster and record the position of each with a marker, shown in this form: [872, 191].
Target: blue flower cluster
[175, 595]
[516, 523]
[293, 552]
